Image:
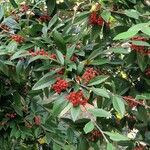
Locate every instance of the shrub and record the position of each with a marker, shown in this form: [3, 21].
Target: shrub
[75, 76]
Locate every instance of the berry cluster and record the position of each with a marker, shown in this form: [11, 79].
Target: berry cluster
[147, 72]
[37, 120]
[77, 98]
[11, 115]
[44, 18]
[17, 38]
[95, 135]
[53, 56]
[131, 101]
[60, 85]
[24, 8]
[137, 48]
[89, 74]
[39, 52]
[94, 19]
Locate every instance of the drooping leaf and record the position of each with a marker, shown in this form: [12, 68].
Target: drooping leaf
[75, 112]
[118, 105]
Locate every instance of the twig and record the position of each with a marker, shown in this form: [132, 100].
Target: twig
[94, 122]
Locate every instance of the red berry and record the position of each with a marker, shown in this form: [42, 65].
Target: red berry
[77, 98]
[60, 85]
[94, 19]
[89, 74]
[17, 38]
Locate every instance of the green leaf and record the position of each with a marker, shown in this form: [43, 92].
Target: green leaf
[32, 59]
[138, 27]
[60, 57]
[97, 80]
[125, 35]
[141, 60]
[75, 112]
[4, 68]
[146, 30]
[52, 21]
[94, 54]
[100, 92]
[140, 43]
[118, 105]
[100, 113]
[110, 147]
[50, 6]
[100, 61]
[1, 12]
[120, 50]
[45, 81]
[81, 17]
[80, 67]
[56, 146]
[19, 54]
[106, 15]
[59, 104]
[70, 51]
[117, 137]
[12, 46]
[58, 38]
[65, 110]
[14, 4]
[132, 13]
[88, 127]
[143, 96]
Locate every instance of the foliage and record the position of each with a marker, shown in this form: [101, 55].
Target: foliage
[74, 75]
